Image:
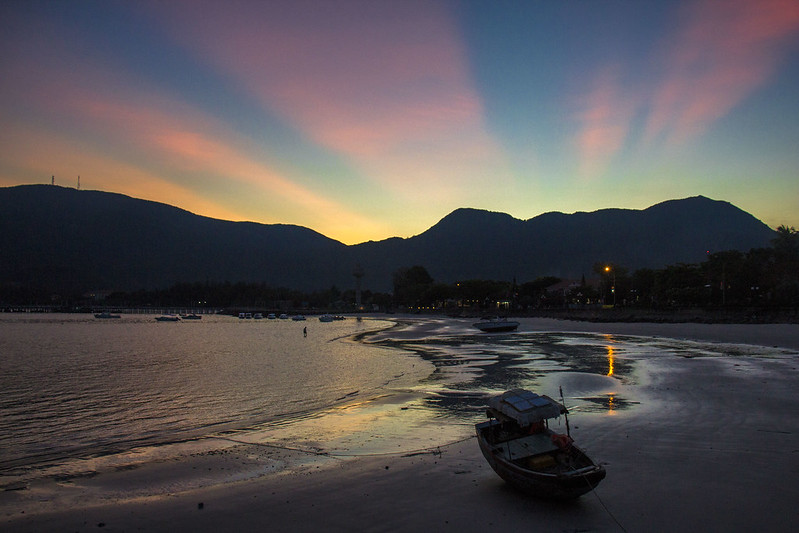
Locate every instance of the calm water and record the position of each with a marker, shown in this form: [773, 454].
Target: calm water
[72, 386]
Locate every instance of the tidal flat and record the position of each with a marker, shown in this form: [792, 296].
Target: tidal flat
[695, 424]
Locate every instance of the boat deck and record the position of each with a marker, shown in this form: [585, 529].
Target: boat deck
[528, 446]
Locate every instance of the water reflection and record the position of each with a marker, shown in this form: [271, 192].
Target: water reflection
[591, 368]
[609, 404]
[610, 360]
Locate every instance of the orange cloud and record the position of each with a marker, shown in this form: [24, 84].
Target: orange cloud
[723, 51]
[150, 146]
[193, 144]
[42, 154]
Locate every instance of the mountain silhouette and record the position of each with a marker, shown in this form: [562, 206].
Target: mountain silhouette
[66, 239]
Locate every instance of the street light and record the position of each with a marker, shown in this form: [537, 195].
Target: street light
[613, 287]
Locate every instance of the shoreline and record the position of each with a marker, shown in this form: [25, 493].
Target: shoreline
[782, 335]
[720, 452]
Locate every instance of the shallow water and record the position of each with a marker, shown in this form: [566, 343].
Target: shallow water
[74, 388]
[73, 385]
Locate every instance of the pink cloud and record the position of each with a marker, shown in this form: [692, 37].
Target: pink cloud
[365, 79]
[722, 52]
[604, 121]
[187, 142]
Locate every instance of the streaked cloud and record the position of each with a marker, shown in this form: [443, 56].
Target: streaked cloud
[604, 118]
[385, 84]
[721, 52]
[141, 140]
[370, 119]
[188, 143]
[66, 159]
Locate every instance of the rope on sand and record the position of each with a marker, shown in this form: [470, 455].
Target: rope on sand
[605, 507]
[421, 451]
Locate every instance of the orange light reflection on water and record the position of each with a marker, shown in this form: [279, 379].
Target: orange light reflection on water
[611, 398]
[610, 360]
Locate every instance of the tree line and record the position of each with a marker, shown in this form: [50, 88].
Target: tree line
[762, 277]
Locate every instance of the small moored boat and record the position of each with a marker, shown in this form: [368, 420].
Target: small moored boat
[106, 314]
[168, 318]
[518, 444]
[496, 325]
[326, 318]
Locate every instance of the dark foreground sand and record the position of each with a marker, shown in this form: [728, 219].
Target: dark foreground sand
[715, 449]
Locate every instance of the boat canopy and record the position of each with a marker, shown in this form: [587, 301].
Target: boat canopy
[526, 407]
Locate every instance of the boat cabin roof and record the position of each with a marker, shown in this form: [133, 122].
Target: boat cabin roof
[525, 407]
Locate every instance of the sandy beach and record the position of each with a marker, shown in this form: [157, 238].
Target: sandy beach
[714, 447]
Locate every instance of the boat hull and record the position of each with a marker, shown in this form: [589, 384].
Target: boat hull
[496, 326]
[491, 328]
[567, 485]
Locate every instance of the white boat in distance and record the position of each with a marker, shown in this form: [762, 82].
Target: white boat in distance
[168, 318]
[326, 318]
[496, 325]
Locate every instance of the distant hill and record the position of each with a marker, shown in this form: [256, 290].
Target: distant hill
[475, 244]
[66, 239]
[75, 239]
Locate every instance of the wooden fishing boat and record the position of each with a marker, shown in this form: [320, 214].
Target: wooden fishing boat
[518, 444]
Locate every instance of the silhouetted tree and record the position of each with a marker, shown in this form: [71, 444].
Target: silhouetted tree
[642, 287]
[534, 293]
[786, 266]
[483, 291]
[410, 284]
[439, 293]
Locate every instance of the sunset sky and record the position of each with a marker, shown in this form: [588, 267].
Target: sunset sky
[365, 120]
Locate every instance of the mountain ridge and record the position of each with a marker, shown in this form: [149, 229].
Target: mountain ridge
[93, 240]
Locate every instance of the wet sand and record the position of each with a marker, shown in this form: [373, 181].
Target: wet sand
[715, 448]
